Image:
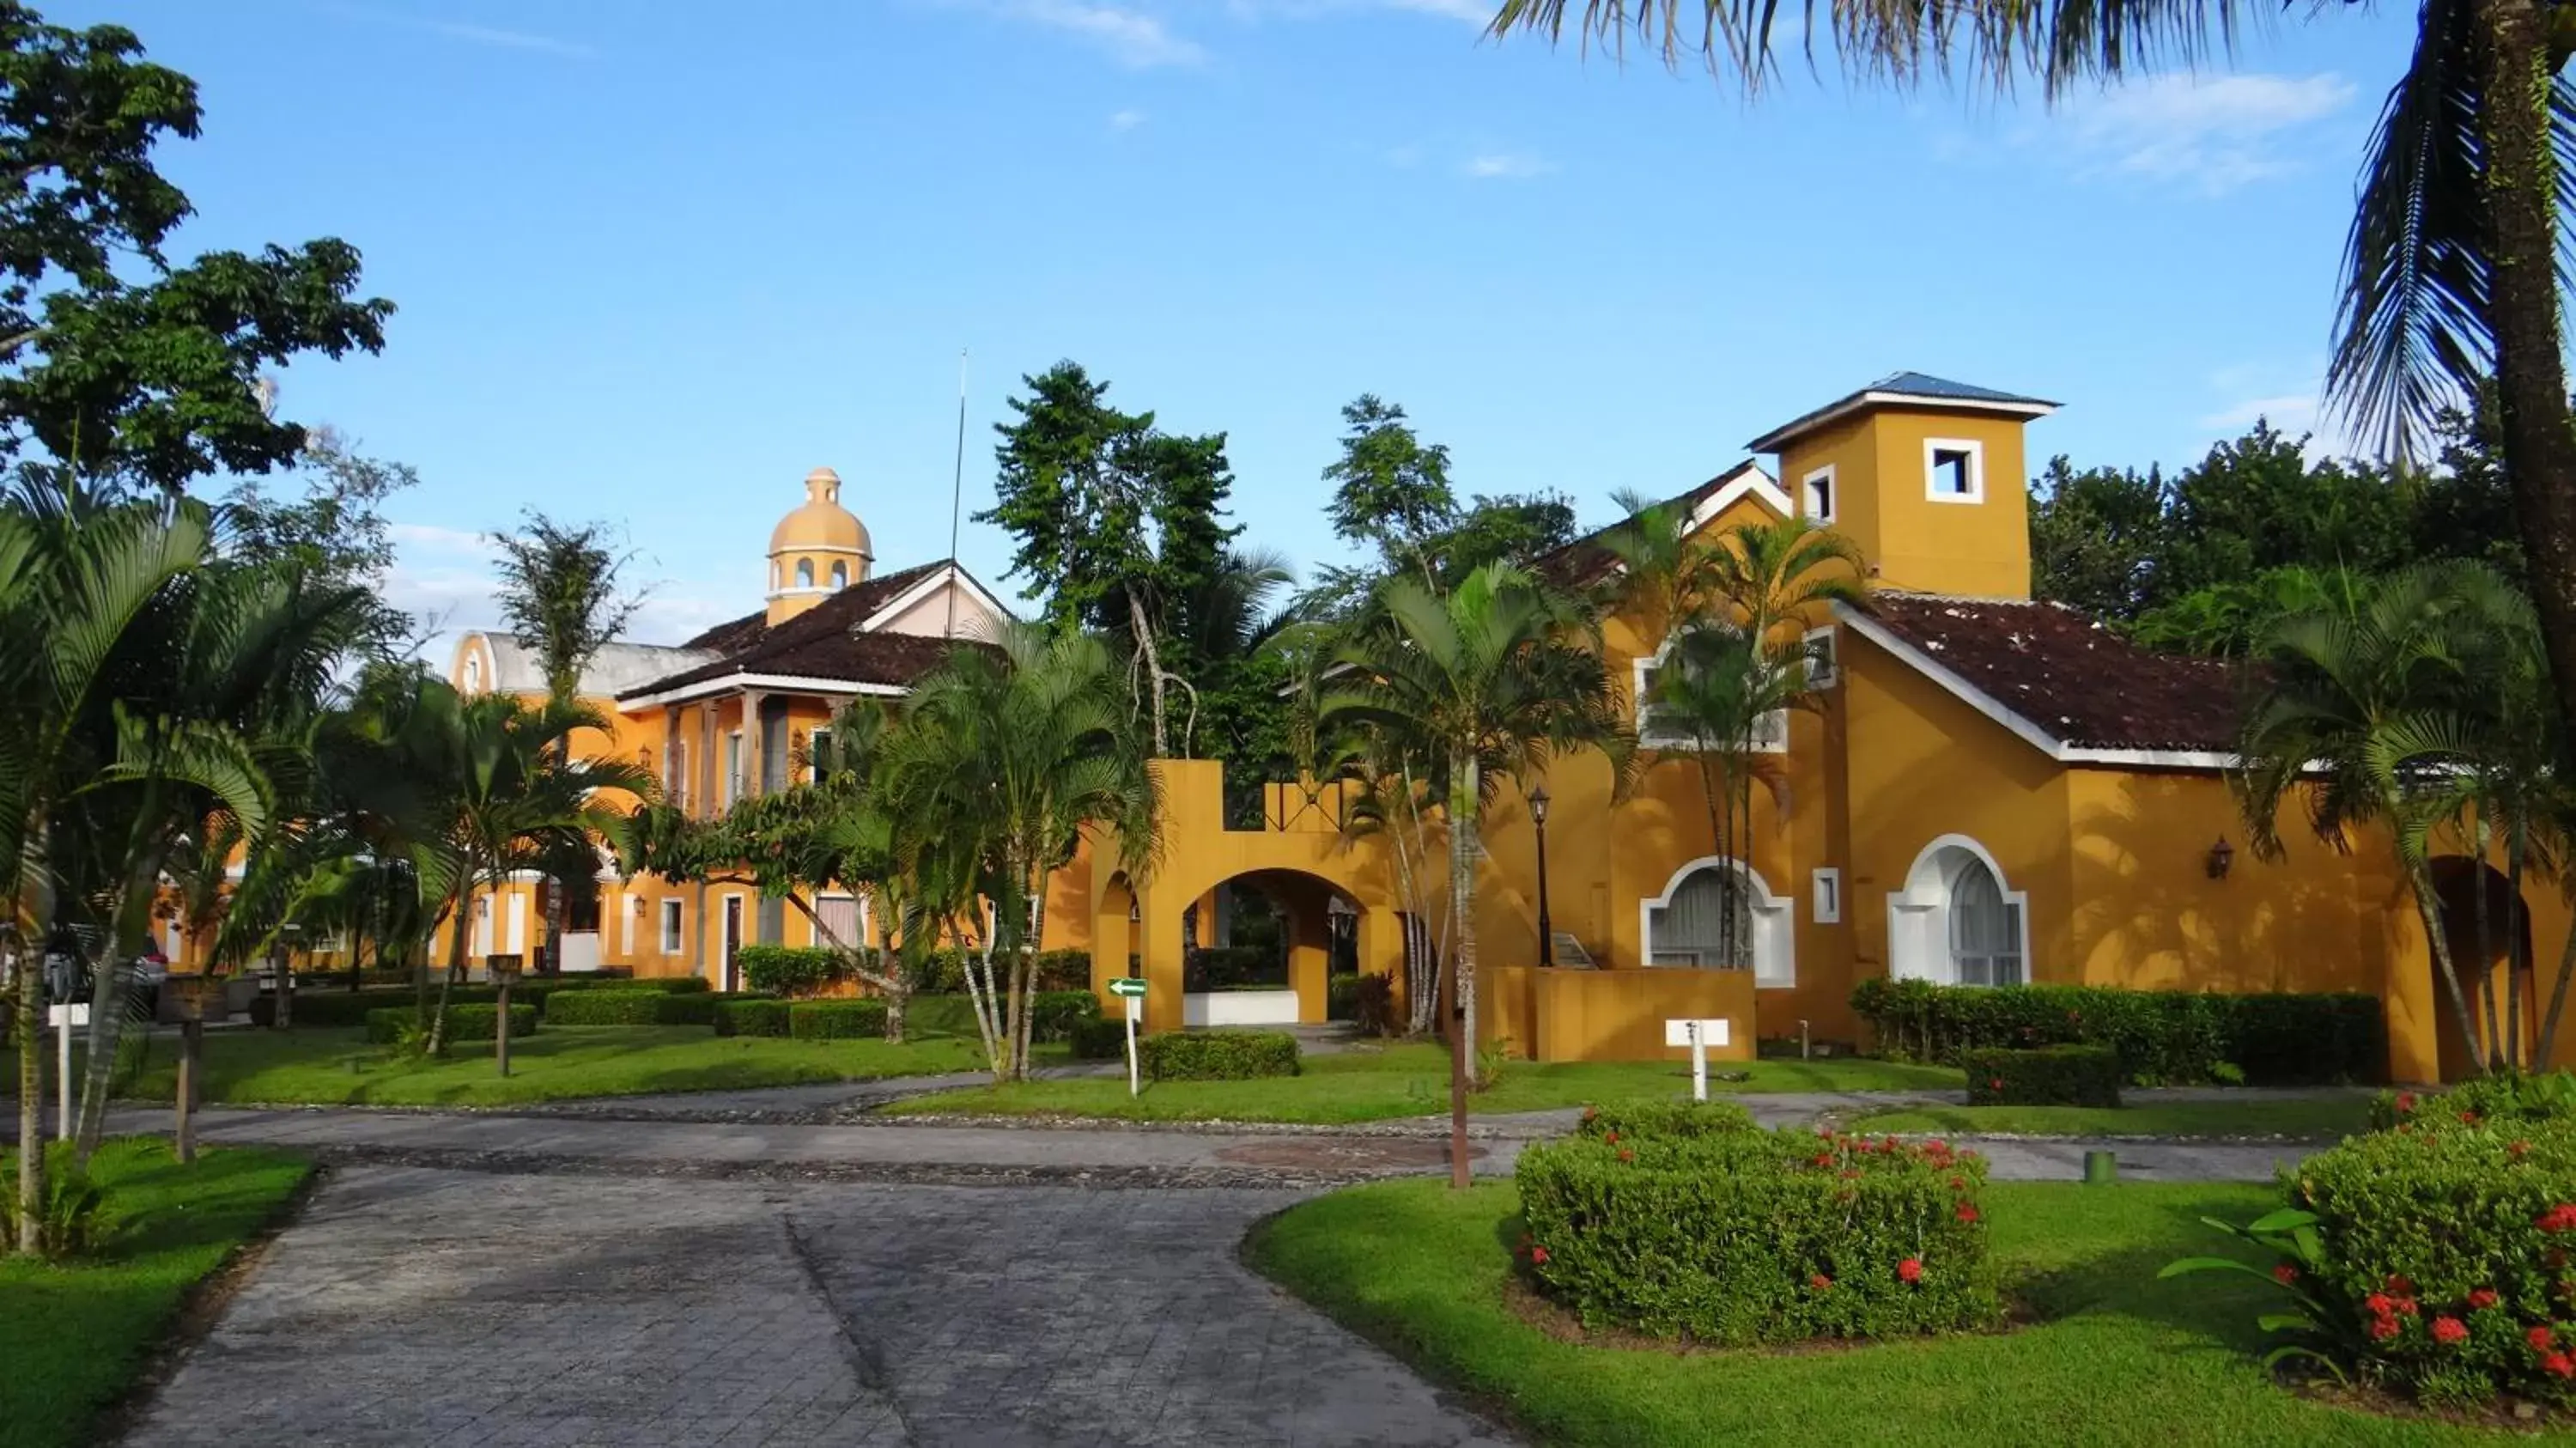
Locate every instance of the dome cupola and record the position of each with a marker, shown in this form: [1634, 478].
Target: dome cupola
[817, 550]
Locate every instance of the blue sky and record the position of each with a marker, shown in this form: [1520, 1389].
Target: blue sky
[655, 261]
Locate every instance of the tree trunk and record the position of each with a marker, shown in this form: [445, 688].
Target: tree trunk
[2431, 913]
[501, 1027]
[2514, 964]
[436, 1038]
[2523, 312]
[1153, 671]
[2480, 910]
[1462, 899]
[129, 926]
[30, 966]
[283, 967]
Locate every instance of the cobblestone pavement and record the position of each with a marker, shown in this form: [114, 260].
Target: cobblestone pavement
[431, 1307]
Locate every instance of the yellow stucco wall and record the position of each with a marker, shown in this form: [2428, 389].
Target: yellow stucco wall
[1883, 502]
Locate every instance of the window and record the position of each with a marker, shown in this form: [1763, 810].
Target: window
[840, 576]
[1985, 929]
[1824, 669]
[818, 753]
[804, 573]
[1819, 495]
[837, 920]
[733, 769]
[1957, 922]
[679, 759]
[1828, 884]
[1715, 914]
[1955, 471]
[473, 674]
[626, 931]
[1660, 725]
[773, 575]
[670, 927]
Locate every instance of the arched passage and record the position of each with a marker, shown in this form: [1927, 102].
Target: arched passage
[2481, 955]
[1258, 949]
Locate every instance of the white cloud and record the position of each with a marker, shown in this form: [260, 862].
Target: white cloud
[489, 36]
[2287, 411]
[1505, 166]
[2211, 133]
[1123, 121]
[1131, 37]
[435, 538]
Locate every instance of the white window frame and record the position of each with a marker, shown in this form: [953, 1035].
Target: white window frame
[674, 936]
[1918, 916]
[1807, 494]
[858, 913]
[1775, 923]
[1826, 888]
[817, 739]
[1933, 447]
[732, 780]
[1824, 664]
[626, 928]
[1771, 738]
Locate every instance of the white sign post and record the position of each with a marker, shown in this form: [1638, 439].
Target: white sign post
[1131, 990]
[1699, 1035]
[63, 1018]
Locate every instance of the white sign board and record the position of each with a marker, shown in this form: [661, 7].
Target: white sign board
[1710, 1032]
[1135, 1008]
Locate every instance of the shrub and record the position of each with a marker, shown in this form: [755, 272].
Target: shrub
[1099, 1039]
[1665, 1120]
[2488, 1100]
[1756, 1236]
[1054, 1014]
[835, 1020]
[2431, 1257]
[1217, 1055]
[351, 1008]
[944, 972]
[473, 1022]
[788, 970]
[2049, 1076]
[74, 1218]
[1234, 967]
[630, 1008]
[2161, 1036]
[1373, 1005]
[750, 1016]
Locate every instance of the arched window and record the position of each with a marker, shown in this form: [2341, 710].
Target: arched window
[473, 674]
[804, 573]
[840, 576]
[1957, 921]
[1715, 914]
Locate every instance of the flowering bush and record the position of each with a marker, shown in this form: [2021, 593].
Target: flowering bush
[2437, 1257]
[1688, 1223]
[2506, 1096]
[1668, 1120]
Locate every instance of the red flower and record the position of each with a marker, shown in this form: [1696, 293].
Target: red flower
[2450, 1329]
[2559, 1218]
[1936, 1144]
[1958, 1183]
[2519, 1150]
[1967, 1211]
[1538, 1254]
[2540, 1337]
[1997, 1084]
[1592, 1113]
[1626, 1155]
[2383, 1328]
[1820, 1282]
[2468, 1118]
[1609, 1136]
[2401, 1285]
[2285, 1274]
[2406, 1306]
[1910, 1270]
[2482, 1299]
[1824, 1158]
[1851, 1171]
[2560, 1363]
[1888, 1145]
[2379, 1304]
[2405, 1101]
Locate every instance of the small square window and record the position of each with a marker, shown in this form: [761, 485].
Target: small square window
[1955, 470]
[1829, 897]
[1819, 500]
[1823, 670]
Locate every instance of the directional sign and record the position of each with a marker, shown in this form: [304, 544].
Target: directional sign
[1127, 985]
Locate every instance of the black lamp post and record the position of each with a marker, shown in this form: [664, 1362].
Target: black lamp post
[1546, 927]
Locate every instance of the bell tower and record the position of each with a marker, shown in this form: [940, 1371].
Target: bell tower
[816, 551]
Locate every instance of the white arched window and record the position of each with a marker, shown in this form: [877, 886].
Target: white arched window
[804, 573]
[1715, 914]
[473, 673]
[840, 576]
[1956, 921]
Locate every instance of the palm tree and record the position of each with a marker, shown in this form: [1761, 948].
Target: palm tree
[2453, 264]
[1004, 759]
[560, 595]
[1493, 680]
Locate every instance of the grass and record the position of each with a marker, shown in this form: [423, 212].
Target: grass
[2119, 1359]
[331, 1067]
[1409, 1080]
[74, 1335]
[2327, 1118]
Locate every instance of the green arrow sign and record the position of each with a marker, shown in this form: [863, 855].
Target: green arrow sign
[1127, 985]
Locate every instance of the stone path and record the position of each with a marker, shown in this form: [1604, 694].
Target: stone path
[451, 1308]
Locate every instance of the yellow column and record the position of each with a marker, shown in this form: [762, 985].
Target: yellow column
[1162, 963]
[752, 763]
[1310, 959]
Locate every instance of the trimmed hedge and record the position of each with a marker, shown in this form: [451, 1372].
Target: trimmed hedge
[1055, 1015]
[1691, 1225]
[2161, 1036]
[789, 970]
[1101, 1038]
[750, 1016]
[1217, 1055]
[1235, 967]
[944, 973]
[388, 1026]
[2049, 1076]
[835, 1020]
[1665, 1120]
[2486, 1100]
[328, 1007]
[630, 1008]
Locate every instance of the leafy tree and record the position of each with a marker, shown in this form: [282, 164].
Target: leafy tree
[2097, 537]
[2231, 620]
[1391, 490]
[2257, 503]
[114, 362]
[336, 532]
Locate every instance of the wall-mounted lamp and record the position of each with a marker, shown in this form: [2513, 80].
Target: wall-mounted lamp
[2221, 856]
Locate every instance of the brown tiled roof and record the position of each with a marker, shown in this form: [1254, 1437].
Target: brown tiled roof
[2071, 675]
[1584, 562]
[820, 643]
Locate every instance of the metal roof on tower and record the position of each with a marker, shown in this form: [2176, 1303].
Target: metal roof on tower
[1905, 389]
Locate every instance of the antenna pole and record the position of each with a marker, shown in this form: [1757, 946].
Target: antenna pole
[957, 492]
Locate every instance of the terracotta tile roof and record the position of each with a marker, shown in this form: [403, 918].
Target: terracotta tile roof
[820, 643]
[2070, 675]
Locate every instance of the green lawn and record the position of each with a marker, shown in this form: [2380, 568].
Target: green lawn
[2325, 1119]
[337, 1067]
[2119, 1358]
[72, 1336]
[1409, 1080]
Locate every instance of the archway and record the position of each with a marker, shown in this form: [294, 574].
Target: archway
[1258, 949]
[2481, 961]
[1958, 921]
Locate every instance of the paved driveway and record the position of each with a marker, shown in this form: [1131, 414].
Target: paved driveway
[426, 1306]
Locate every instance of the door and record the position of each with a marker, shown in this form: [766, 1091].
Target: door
[732, 940]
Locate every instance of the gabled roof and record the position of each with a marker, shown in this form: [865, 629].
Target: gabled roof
[516, 669]
[1586, 561]
[2065, 682]
[831, 645]
[1904, 389]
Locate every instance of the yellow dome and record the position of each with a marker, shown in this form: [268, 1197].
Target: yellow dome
[822, 524]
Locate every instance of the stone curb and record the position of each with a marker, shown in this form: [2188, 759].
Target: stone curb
[522, 1163]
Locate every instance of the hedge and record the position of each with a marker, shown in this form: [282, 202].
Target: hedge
[1692, 1225]
[1217, 1055]
[1101, 1038]
[1234, 967]
[750, 1016]
[327, 1007]
[835, 1020]
[1665, 1120]
[2048, 1076]
[388, 1026]
[944, 973]
[2161, 1036]
[630, 1008]
[789, 970]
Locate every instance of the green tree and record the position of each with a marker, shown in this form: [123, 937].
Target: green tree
[2257, 503]
[1493, 679]
[2097, 537]
[1391, 490]
[336, 532]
